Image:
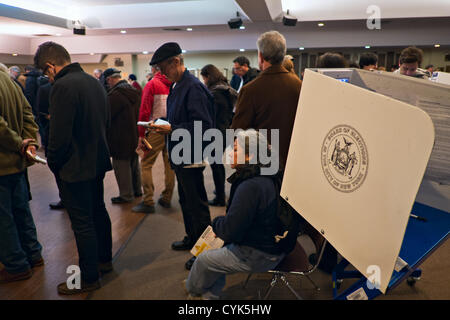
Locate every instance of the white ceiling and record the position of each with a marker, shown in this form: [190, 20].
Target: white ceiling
[144, 21]
[134, 13]
[309, 10]
[21, 28]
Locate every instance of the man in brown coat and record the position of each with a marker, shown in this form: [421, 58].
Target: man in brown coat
[270, 101]
[122, 136]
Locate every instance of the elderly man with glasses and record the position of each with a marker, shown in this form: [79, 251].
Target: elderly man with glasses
[189, 103]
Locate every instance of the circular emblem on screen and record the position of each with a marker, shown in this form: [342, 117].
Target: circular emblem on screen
[344, 158]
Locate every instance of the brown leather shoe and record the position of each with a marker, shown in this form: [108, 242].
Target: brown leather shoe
[104, 268]
[6, 276]
[163, 203]
[37, 263]
[85, 287]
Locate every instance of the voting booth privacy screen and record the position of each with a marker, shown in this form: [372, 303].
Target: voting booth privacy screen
[356, 161]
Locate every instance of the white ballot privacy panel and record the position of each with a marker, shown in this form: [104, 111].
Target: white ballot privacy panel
[356, 161]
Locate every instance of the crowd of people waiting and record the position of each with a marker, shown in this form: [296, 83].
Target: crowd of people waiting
[85, 121]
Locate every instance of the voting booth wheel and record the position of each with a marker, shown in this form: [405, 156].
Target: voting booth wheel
[414, 277]
[411, 281]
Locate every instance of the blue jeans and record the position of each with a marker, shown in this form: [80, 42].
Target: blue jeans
[207, 276]
[18, 239]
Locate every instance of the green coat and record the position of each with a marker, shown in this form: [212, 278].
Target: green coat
[16, 124]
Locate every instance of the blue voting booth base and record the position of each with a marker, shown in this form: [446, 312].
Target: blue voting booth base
[421, 239]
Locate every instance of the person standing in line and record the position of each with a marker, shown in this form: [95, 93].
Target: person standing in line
[409, 63]
[243, 70]
[270, 101]
[14, 73]
[224, 100]
[78, 155]
[20, 250]
[189, 102]
[122, 136]
[97, 73]
[368, 61]
[132, 81]
[42, 106]
[154, 106]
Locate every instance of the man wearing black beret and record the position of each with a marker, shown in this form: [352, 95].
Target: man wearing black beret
[189, 101]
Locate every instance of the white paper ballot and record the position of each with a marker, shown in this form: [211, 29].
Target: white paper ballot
[144, 123]
[207, 241]
[36, 158]
[161, 122]
[359, 294]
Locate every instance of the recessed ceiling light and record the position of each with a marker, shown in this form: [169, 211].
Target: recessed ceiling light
[241, 50]
[123, 31]
[302, 48]
[58, 34]
[242, 27]
[15, 54]
[189, 29]
[183, 51]
[437, 45]
[91, 53]
[367, 47]
[321, 24]
[145, 52]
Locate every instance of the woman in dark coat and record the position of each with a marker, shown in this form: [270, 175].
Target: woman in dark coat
[224, 100]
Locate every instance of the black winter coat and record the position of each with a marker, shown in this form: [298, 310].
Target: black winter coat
[77, 148]
[35, 79]
[123, 135]
[224, 100]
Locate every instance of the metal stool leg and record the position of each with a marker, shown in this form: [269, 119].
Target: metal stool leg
[283, 278]
[246, 281]
[314, 284]
[272, 284]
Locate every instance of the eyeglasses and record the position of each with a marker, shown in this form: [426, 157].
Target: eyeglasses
[44, 71]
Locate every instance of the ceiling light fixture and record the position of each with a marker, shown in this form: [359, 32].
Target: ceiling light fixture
[289, 20]
[367, 47]
[91, 53]
[15, 54]
[235, 23]
[242, 27]
[301, 48]
[58, 34]
[189, 29]
[123, 31]
[183, 51]
[437, 45]
[145, 52]
[241, 50]
[321, 24]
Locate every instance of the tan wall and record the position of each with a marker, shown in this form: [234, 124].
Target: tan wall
[90, 67]
[127, 67]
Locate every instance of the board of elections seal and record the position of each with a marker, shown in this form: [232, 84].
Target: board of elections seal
[344, 158]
